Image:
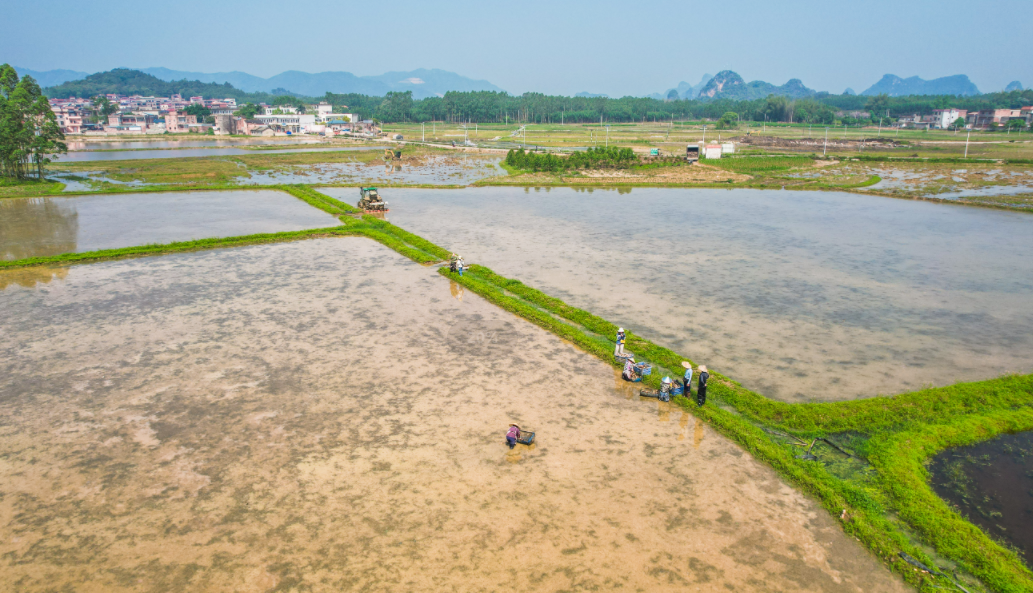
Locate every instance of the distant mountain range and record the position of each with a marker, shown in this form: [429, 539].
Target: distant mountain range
[429, 83]
[896, 86]
[1013, 86]
[729, 85]
[423, 83]
[592, 95]
[51, 77]
[684, 90]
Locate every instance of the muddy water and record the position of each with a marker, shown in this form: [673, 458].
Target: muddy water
[430, 171]
[33, 227]
[991, 483]
[128, 155]
[800, 295]
[153, 144]
[327, 416]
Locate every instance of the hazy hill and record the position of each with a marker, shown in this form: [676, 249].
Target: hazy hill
[729, 85]
[896, 86]
[588, 95]
[684, 89]
[423, 82]
[51, 77]
[133, 82]
[1013, 86]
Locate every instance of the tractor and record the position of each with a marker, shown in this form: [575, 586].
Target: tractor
[371, 201]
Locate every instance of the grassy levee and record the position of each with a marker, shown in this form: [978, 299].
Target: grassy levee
[317, 199]
[411, 239]
[900, 460]
[175, 247]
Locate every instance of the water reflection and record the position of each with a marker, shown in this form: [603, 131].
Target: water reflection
[31, 277]
[33, 227]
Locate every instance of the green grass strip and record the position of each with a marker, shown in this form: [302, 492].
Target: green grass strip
[176, 247]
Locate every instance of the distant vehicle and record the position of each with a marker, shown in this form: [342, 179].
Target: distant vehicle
[371, 200]
[692, 153]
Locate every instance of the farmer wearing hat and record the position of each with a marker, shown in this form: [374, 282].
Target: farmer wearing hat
[701, 391]
[620, 342]
[512, 435]
[687, 379]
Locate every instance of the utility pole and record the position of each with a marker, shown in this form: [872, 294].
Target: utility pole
[424, 128]
[966, 144]
[704, 134]
[826, 148]
[607, 136]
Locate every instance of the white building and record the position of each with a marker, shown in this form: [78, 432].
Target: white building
[712, 151]
[295, 123]
[945, 118]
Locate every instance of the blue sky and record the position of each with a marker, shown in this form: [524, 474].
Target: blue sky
[555, 47]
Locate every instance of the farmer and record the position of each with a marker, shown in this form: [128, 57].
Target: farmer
[687, 379]
[631, 370]
[512, 435]
[452, 262]
[460, 265]
[619, 349]
[701, 391]
[665, 389]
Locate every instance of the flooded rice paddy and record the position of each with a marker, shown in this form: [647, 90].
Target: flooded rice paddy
[154, 144]
[991, 483]
[34, 227]
[326, 415]
[182, 153]
[430, 170]
[802, 296]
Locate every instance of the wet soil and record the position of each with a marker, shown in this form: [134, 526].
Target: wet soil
[991, 483]
[802, 296]
[327, 416]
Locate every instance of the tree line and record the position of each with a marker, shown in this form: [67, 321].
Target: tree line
[594, 158]
[501, 107]
[29, 132]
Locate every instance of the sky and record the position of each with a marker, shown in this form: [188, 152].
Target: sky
[554, 47]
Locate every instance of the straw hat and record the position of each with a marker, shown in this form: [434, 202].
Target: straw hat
[515, 425]
[702, 368]
[620, 329]
[686, 364]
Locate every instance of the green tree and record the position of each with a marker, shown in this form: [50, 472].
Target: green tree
[197, 109]
[877, 104]
[48, 138]
[729, 120]
[959, 124]
[248, 111]
[1016, 124]
[28, 128]
[102, 108]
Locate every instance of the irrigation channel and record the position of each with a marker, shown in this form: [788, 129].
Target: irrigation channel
[324, 414]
